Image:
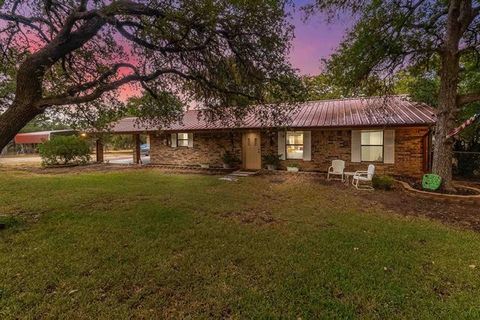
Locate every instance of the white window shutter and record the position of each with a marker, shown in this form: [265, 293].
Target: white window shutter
[173, 140]
[356, 146]
[389, 146]
[307, 146]
[281, 144]
[190, 140]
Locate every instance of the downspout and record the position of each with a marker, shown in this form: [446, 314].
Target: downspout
[427, 150]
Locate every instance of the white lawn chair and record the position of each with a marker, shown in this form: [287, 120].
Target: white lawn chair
[336, 168]
[362, 180]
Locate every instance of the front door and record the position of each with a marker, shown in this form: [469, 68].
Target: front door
[251, 151]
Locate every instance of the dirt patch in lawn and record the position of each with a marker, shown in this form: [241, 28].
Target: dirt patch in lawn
[252, 217]
[461, 214]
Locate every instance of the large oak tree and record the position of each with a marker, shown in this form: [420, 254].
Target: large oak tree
[223, 54]
[389, 36]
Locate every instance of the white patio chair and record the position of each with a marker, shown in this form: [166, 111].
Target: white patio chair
[337, 168]
[362, 180]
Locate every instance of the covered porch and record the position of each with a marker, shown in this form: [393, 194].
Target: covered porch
[139, 153]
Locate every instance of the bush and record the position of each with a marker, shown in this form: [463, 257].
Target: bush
[65, 150]
[383, 182]
[272, 159]
[230, 158]
[294, 165]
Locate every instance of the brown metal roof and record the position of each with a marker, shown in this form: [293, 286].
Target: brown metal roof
[39, 136]
[355, 112]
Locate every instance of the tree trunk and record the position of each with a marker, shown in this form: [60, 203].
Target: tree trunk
[13, 120]
[23, 109]
[447, 99]
[443, 147]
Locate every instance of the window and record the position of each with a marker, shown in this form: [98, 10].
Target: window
[294, 144]
[182, 139]
[372, 146]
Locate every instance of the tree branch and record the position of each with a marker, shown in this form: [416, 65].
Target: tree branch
[29, 22]
[170, 48]
[468, 98]
[68, 99]
[71, 91]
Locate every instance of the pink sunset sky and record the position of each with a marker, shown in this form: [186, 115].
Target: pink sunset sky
[314, 39]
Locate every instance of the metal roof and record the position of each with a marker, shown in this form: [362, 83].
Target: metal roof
[355, 112]
[39, 136]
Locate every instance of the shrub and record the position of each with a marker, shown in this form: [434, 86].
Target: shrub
[383, 182]
[294, 165]
[65, 150]
[272, 159]
[230, 158]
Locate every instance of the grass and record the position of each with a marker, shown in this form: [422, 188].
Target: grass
[143, 244]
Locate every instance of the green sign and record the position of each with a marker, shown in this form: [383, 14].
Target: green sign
[431, 182]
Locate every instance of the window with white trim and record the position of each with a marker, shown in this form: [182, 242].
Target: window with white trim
[294, 144]
[182, 139]
[371, 145]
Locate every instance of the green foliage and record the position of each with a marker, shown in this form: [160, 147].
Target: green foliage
[158, 109]
[10, 222]
[223, 55]
[272, 159]
[421, 86]
[44, 122]
[383, 182]
[293, 164]
[119, 141]
[65, 150]
[322, 87]
[230, 158]
[384, 39]
[7, 82]
[468, 157]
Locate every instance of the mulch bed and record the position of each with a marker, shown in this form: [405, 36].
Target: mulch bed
[459, 190]
[462, 214]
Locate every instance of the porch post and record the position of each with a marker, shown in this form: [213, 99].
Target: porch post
[99, 150]
[136, 152]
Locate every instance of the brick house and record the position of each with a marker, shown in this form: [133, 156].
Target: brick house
[392, 133]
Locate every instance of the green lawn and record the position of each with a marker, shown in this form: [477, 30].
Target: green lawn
[145, 244]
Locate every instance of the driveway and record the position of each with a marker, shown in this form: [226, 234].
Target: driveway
[35, 160]
[127, 160]
[20, 160]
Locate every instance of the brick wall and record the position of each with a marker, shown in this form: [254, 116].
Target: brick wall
[208, 148]
[327, 145]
